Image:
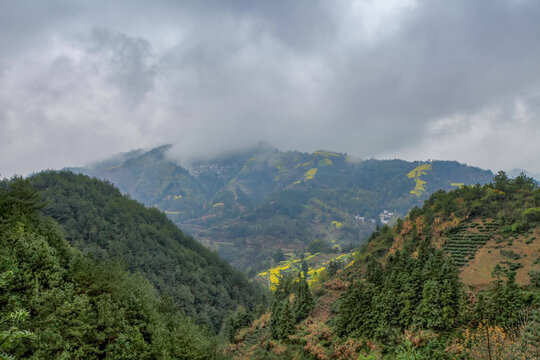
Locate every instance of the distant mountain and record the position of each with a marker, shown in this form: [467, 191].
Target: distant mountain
[515, 172]
[251, 204]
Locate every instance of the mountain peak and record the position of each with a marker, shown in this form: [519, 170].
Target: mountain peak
[516, 172]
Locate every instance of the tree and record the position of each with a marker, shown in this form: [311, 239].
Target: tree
[10, 332]
[305, 268]
[303, 302]
[228, 329]
[278, 255]
[501, 181]
[24, 196]
[286, 320]
[355, 310]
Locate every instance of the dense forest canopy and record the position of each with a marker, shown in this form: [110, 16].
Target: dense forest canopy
[58, 303]
[97, 219]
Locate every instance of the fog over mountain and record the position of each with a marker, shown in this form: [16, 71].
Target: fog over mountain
[81, 81]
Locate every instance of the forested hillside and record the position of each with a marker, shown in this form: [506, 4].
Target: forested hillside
[57, 303]
[413, 290]
[97, 219]
[252, 203]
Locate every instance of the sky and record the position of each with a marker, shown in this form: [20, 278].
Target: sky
[453, 80]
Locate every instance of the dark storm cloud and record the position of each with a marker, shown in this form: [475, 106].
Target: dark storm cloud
[415, 79]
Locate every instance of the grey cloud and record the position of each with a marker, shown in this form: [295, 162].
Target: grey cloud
[23, 21]
[211, 76]
[128, 61]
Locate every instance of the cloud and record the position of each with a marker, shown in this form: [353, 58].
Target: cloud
[501, 137]
[415, 79]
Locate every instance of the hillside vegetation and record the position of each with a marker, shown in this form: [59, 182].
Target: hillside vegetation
[98, 220]
[57, 303]
[250, 204]
[416, 290]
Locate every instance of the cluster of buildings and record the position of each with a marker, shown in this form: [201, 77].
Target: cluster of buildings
[363, 219]
[384, 218]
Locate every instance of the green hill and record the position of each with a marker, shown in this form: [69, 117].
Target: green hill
[97, 219]
[250, 204]
[57, 303]
[419, 290]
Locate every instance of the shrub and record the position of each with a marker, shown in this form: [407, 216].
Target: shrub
[510, 254]
[534, 275]
[531, 215]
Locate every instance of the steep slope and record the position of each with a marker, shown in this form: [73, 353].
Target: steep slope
[478, 227]
[100, 221]
[249, 204]
[60, 304]
[410, 291]
[152, 179]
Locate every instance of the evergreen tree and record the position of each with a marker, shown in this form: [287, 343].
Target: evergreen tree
[286, 320]
[10, 323]
[503, 303]
[275, 324]
[355, 313]
[280, 296]
[228, 329]
[303, 302]
[21, 199]
[305, 269]
[424, 291]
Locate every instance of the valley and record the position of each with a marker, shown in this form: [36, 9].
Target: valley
[249, 204]
[269, 180]
[462, 268]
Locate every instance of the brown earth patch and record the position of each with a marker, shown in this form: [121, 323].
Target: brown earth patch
[323, 308]
[477, 272]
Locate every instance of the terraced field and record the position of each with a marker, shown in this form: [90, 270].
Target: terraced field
[468, 238]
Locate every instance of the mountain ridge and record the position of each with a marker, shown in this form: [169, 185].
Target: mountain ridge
[250, 203]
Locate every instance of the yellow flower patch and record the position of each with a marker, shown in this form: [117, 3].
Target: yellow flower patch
[308, 175]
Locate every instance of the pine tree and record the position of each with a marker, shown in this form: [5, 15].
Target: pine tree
[22, 199]
[228, 329]
[281, 295]
[355, 310]
[286, 320]
[303, 302]
[305, 269]
[274, 325]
